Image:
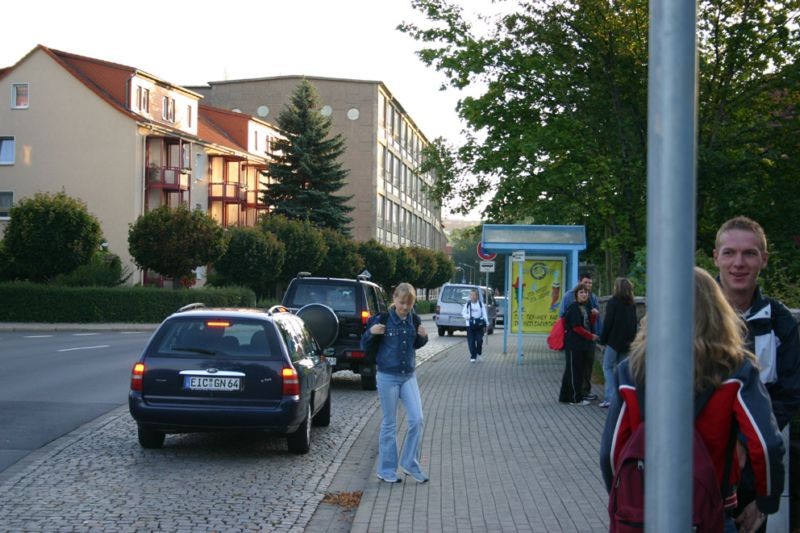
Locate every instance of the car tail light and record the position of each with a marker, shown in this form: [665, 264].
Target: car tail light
[291, 382]
[364, 317]
[436, 310]
[357, 355]
[136, 377]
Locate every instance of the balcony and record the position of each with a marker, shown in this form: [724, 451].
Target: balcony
[227, 192]
[169, 178]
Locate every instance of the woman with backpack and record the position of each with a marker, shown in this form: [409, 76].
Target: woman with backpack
[619, 329]
[733, 420]
[398, 335]
[474, 313]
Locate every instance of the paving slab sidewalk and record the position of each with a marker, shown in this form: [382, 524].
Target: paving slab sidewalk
[501, 452]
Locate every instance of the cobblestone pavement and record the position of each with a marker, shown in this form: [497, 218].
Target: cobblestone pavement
[99, 479]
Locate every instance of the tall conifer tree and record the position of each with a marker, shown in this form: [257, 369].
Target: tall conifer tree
[306, 172]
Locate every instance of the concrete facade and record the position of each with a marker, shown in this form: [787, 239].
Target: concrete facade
[383, 147]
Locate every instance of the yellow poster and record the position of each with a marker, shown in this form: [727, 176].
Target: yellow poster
[542, 285]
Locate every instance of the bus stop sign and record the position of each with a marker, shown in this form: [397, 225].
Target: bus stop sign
[483, 255]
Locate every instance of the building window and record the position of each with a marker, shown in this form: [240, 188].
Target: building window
[20, 96]
[144, 105]
[168, 109]
[189, 116]
[6, 200]
[255, 141]
[6, 150]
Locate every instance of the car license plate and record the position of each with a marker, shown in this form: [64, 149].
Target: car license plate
[331, 360]
[209, 383]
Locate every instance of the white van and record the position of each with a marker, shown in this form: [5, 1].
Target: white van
[452, 297]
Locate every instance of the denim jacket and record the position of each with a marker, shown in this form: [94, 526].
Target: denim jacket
[397, 351]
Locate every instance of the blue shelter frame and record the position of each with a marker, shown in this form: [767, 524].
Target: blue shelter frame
[534, 240]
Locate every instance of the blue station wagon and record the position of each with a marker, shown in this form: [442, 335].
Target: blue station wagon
[216, 369]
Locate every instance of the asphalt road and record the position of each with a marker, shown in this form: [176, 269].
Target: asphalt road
[53, 382]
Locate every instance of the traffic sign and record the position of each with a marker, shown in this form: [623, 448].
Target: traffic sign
[487, 266]
[518, 256]
[484, 255]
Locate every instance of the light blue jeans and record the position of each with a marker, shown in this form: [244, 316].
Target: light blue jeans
[391, 389]
[610, 360]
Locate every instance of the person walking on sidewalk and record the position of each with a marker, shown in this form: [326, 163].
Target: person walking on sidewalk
[397, 382]
[740, 253]
[619, 329]
[474, 313]
[734, 403]
[578, 345]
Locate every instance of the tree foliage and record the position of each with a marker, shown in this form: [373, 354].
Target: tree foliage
[47, 235]
[425, 260]
[175, 241]
[342, 259]
[379, 260]
[305, 245]
[252, 258]
[306, 171]
[444, 270]
[556, 116]
[406, 268]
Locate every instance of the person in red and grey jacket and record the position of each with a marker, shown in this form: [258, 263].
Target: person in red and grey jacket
[739, 403]
[578, 346]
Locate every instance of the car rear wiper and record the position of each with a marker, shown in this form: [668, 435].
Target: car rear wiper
[194, 350]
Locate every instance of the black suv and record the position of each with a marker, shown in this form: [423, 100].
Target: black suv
[354, 301]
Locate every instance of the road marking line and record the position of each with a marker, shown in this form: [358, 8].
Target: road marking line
[131, 332]
[84, 348]
[37, 336]
[84, 334]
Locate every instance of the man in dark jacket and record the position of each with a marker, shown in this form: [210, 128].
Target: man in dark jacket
[741, 253]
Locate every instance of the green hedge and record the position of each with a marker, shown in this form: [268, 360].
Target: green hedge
[30, 302]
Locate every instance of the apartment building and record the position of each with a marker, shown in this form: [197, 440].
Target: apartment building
[383, 149]
[124, 142]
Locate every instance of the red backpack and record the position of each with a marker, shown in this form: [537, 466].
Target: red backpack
[555, 340]
[626, 499]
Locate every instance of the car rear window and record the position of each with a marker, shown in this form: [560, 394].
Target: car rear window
[239, 338]
[339, 297]
[456, 295]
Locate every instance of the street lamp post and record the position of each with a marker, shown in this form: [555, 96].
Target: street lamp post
[471, 273]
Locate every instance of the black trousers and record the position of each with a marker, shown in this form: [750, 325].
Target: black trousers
[588, 370]
[572, 380]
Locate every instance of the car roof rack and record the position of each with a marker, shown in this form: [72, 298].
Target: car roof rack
[277, 309]
[189, 307]
[304, 274]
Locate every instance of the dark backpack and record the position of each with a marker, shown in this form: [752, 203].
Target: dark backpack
[626, 499]
[371, 348]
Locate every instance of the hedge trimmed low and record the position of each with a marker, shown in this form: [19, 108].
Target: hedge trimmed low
[31, 302]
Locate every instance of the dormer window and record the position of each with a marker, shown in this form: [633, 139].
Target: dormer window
[20, 96]
[168, 109]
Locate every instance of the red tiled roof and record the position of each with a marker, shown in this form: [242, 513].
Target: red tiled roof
[208, 130]
[233, 124]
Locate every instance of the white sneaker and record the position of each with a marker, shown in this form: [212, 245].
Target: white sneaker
[472, 360]
[582, 402]
[480, 358]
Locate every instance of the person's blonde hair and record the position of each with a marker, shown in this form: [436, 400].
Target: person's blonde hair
[405, 292]
[744, 224]
[719, 337]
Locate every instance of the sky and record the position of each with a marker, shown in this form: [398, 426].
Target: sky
[190, 43]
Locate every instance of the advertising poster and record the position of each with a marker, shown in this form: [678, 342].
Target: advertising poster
[542, 292]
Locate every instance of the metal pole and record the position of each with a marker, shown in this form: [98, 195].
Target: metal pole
[671, 184]
[519, 313]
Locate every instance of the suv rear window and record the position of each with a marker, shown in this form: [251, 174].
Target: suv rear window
[338, 296]
[239, 338]
[456, 295]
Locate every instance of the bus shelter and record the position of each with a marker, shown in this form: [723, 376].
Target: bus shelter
[543, 265]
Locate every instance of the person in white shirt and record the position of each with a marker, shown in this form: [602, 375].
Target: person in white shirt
[474, 312]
